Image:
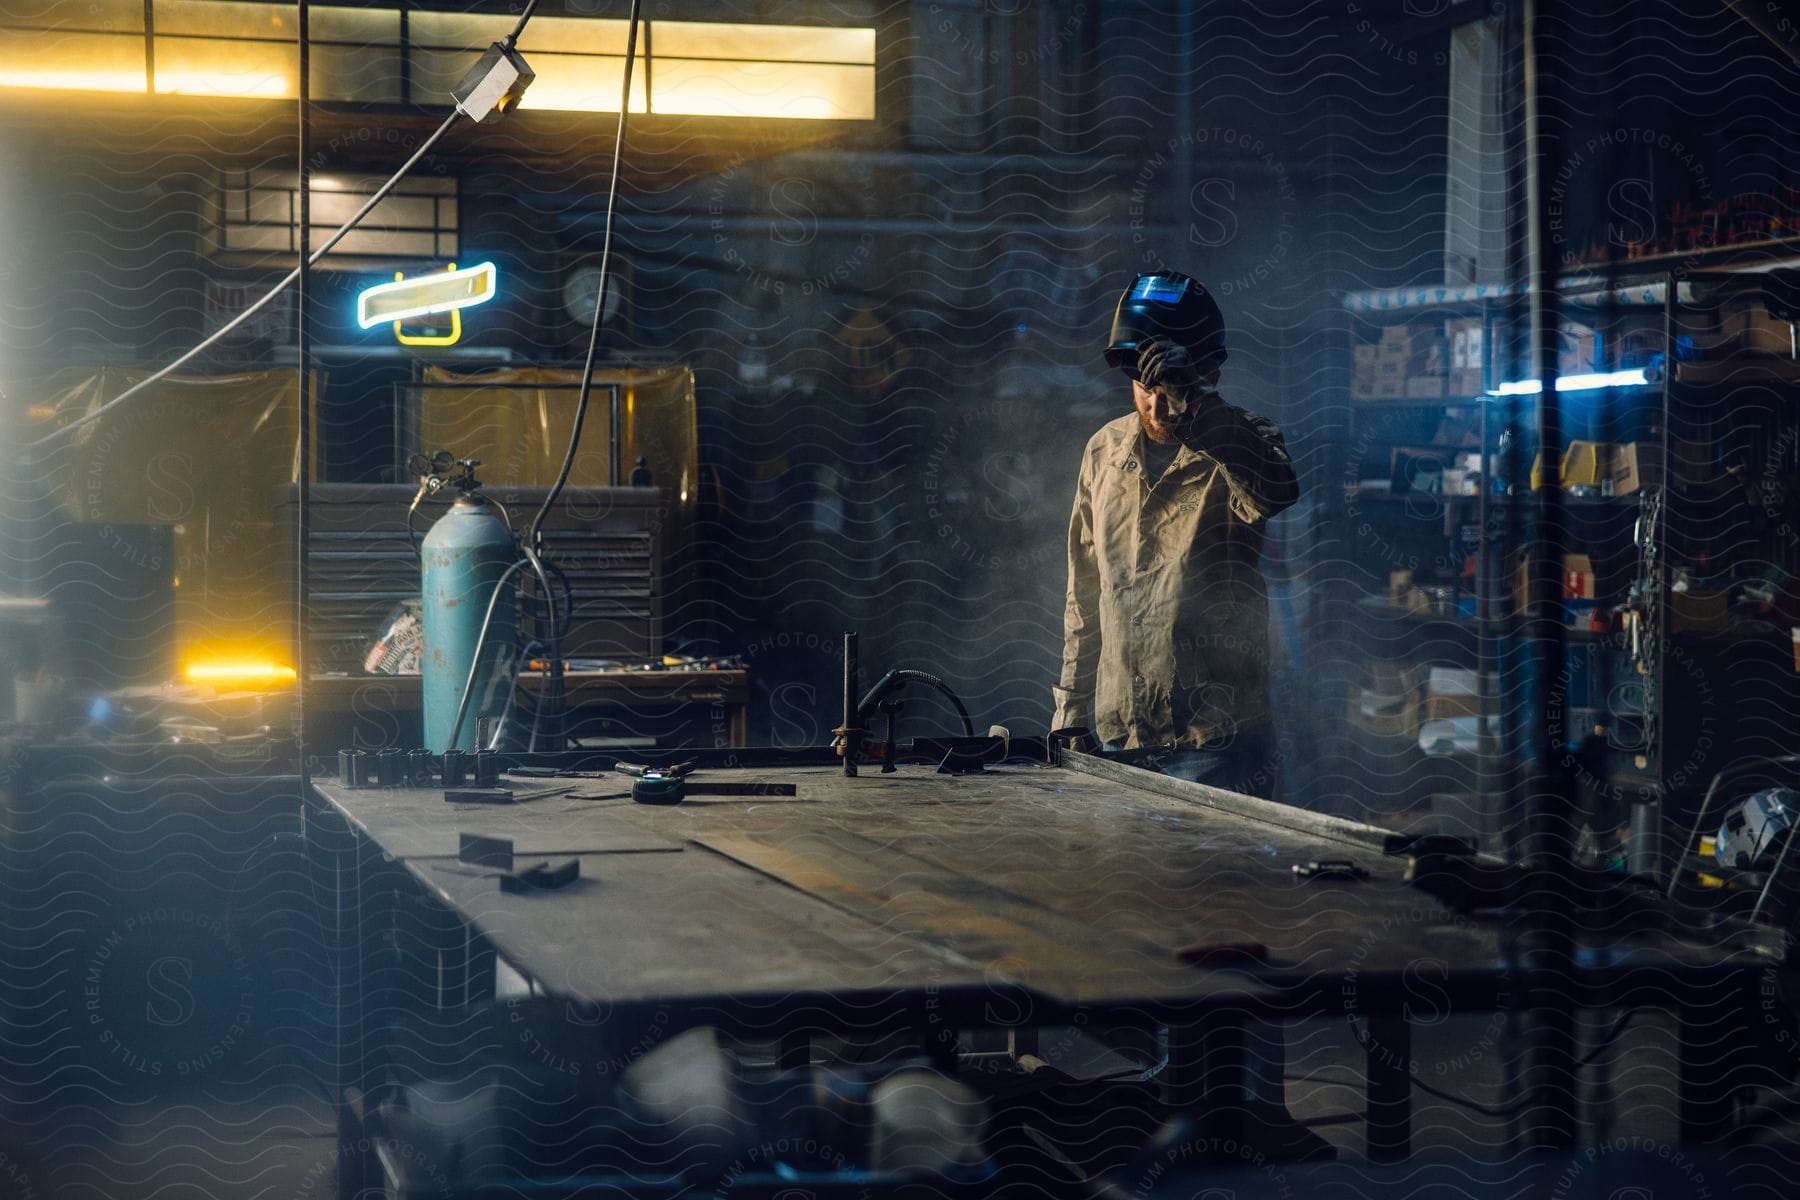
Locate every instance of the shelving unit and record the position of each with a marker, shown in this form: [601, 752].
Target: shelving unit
[1648, 711]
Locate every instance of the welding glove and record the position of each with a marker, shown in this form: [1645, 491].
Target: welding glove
[1167, 366]
[1248, 447]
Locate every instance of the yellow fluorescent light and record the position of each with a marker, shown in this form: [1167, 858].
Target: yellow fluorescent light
[702, 68]
[249, 87]
[225, 670]
[426, 295]
[78, 81]
[266, 87]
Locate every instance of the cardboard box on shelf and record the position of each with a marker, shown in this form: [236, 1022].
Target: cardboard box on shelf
[1406, 343]
[1373, 377]
[1633, 339]
[1577, 580]
[1390, 716]
[1629, 468]
[1466, 338]
[1417, 349]
[1577, 349]
[1634, 467]
[1750, 328]
[1451, 692]
[1406, 362]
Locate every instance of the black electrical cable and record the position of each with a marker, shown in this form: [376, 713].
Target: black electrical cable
[543, 578]
[412, 534]
[1518, 1106]
[342, 231]
[512, 697]
[524, 17]
[587, 369]
[900, 675]
[534, 539]
[505, 516]
[568, 591]
[537, 566]
[487, 624]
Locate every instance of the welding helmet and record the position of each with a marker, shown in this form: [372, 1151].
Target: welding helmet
[1171, 305]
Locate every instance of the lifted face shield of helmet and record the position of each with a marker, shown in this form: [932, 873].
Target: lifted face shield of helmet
[1166, 305]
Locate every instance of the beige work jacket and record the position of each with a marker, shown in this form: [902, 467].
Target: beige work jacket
[1166, 624]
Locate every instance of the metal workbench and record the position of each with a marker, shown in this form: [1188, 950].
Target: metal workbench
[1029, 896]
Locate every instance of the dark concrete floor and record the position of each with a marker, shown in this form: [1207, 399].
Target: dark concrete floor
[271, 1137]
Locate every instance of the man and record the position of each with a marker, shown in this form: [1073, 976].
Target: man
[1166, 626]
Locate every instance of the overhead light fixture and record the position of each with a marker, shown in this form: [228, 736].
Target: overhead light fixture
[427, 295]
[494, 84]
[1574, 383]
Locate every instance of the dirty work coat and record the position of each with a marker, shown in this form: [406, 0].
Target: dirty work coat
[1166, 624]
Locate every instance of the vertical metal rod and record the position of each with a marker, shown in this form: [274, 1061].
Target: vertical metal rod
[850, 734]
[1546, 902]
[405, 40]
[303, 425]
[150, 47]
[1184, 98]
[649, 68]
[616, 460]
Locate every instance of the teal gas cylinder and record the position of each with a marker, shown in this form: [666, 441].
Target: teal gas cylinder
[464, 556]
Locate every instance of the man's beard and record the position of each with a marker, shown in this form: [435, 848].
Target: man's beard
[1162, 435]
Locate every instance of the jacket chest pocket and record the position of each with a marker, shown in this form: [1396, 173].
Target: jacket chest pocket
[1176, 517]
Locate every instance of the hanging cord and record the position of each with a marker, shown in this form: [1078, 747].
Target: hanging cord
[487, 624]
[286, 282]
[587, 369]
[1507, 1110]
[381, 194]
[533, 541]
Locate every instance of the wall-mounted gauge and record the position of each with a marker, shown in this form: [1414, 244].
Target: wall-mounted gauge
[581, 287]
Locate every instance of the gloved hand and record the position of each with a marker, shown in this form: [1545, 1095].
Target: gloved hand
[1166, 365]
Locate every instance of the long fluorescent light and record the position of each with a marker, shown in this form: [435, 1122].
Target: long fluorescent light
[425, 295]
[1574, 383]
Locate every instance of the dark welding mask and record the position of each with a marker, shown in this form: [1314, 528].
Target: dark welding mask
[1171, 305]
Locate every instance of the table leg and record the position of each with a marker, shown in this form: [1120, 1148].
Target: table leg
[1207, 1075]
[333, 852]
[1389, 1121]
